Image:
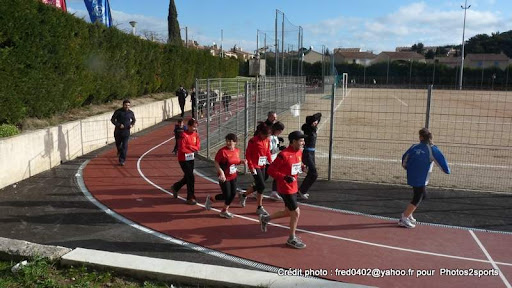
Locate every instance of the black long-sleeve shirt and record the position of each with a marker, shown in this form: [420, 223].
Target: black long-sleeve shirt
[125, 117]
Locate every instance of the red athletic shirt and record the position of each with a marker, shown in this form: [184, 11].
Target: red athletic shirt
[287, 163]
[189, 143]
[228, 159]
[256, 151]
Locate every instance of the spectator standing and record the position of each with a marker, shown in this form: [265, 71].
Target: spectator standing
[123, 119]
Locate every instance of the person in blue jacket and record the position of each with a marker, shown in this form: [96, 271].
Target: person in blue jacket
[418, 161]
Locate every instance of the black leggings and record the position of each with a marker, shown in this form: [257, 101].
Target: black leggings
[188, 178]
[228, 191]
[259, 180]
[308, 158]
[420, 193]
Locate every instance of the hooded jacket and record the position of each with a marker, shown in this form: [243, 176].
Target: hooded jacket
[418, 161]
[310, 131]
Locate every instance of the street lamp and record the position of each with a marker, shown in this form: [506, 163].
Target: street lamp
[465, 7]
[133, 23]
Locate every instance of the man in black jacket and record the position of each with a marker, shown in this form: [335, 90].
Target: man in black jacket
[182, 95]
[308, 155]
[123, 119]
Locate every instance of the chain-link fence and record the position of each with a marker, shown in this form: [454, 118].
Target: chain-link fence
[372, 128]
[237, 105]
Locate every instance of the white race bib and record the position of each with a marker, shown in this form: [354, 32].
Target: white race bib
[262, 161]
[232, 169]
[296, 168]
[189, 156]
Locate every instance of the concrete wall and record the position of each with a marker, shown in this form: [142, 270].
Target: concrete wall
[28, 154]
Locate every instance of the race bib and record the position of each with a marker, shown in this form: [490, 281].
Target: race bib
[296, 168]
[262, 161]
[232, 169]
[189, 156]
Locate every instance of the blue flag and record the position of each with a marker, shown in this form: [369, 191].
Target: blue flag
[99, 10]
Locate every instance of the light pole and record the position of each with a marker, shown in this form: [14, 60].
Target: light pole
[465, 7]
[186, 35]
[133, 23]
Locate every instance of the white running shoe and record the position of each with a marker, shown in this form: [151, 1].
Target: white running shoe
[275, 196]
[405, 222]
[208, 203]
[303, 196]
[413, 221]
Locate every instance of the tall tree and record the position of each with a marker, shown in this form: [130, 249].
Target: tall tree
[173, 25]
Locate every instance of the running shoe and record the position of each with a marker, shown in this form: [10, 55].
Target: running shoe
[412, 219]
[226, 214]
[243, 199]
[208, 203]
[304, 196]
[296, 243]
[264, 219]
[275, 196]
[261, 211]
[405, 222]
[191, 202]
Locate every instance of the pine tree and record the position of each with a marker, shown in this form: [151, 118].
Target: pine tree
[173, 25]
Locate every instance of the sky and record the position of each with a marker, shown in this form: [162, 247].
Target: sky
[370, 25]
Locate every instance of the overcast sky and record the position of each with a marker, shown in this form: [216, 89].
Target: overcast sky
[366, 24]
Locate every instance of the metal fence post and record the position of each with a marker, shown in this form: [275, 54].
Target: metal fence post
[256, 104]
[246, 120]
[196, 101]
[208, 119]
[429, 102]
[331, 133]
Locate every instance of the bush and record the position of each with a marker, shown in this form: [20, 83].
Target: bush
[52, 62]
[7, 130]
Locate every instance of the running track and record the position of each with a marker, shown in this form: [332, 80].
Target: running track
[139, 192]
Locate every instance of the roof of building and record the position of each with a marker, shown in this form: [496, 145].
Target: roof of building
[487, 57]
[356, 55]
[403, 55]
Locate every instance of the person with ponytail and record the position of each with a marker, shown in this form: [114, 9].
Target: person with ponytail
[418, 161]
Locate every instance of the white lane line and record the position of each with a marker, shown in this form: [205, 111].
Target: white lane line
[490, 259]
[199, 248]
[193, 246]
[360, 241]
[403, 103]
[336, 108]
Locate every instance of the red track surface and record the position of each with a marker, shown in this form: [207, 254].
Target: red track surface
[334, 240]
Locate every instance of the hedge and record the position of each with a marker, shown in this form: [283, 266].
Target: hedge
[51, 62]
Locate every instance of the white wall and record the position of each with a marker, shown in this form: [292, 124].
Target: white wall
[28, 154]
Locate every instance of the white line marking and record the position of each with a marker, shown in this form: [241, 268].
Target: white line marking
[360, 241]
[403, 103]
[490, 259]
[195, 247]
[145, 229]
[336, 108]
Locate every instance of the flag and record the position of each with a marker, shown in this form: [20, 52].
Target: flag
[99, 10]
[61, 4]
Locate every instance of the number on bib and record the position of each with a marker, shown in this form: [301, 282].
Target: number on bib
[189, 156]
[262, 161]
[296, 168]
[232, 169]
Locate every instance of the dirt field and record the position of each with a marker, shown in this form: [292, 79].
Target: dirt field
[374, 127]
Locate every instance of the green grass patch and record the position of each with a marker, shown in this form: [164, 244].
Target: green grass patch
[42, 273]
[7, 130]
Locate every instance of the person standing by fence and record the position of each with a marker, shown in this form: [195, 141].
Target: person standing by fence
[275, 148]
[258, 155]
[418, 161]
[189, 144]
[193, 101]
[182, 95]
[123, 119]
[308, 158]
[226, 160]
[285, 169]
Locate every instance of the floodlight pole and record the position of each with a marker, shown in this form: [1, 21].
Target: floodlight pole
[465, 7]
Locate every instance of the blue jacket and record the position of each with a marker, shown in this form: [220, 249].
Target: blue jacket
[418, 161]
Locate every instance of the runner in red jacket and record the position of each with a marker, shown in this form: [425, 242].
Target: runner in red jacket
[226, 160]
[258, 155]
[284, 170]
[189, 144]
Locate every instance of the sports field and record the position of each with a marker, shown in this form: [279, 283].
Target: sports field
[374, 127]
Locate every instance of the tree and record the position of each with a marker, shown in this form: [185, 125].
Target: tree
[173, 25]
[430, 54]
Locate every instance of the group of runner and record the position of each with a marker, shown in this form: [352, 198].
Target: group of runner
[266, 156]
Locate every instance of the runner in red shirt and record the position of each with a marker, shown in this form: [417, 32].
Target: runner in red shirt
[189, 144]
[284, 170]
[258, 155]
[226, 160]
